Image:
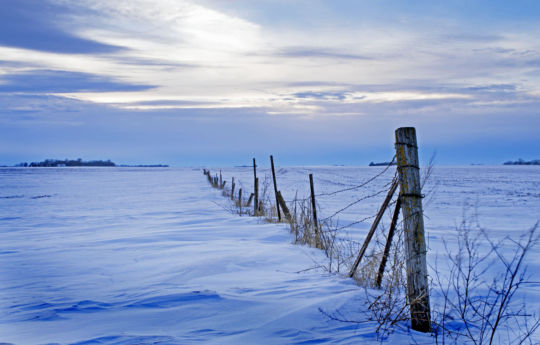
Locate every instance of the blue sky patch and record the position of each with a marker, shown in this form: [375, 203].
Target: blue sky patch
[36, 25]
[40, 81]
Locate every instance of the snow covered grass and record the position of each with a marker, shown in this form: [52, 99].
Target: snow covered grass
[152, 256]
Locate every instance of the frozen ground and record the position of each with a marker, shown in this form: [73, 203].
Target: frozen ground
[150, 256]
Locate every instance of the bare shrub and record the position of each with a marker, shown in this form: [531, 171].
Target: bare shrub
[478, 310]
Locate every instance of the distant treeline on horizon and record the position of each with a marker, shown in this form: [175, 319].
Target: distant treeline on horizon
[80, 163]
[522, 162]
[372, 164]
[68, 163]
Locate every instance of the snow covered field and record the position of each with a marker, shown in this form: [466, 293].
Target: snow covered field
[151, 255]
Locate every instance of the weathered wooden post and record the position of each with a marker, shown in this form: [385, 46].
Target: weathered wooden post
[284, 207]
[413, 226]
[255, 188]
[248, 203]
[314, 209]
[275, 187]
[220, 179]
[232, 189]
[240, 200]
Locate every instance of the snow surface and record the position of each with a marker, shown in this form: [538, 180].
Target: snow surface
[152, 256]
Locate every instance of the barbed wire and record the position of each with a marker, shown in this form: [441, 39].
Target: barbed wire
[385, 188]
[355, 222]
[353, 203]
[362, 184]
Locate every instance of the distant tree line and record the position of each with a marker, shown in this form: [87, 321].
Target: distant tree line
[68, 163]
[372, 164]
[522, 162]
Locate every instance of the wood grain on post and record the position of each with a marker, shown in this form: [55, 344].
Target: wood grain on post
[413, 226]
[255, 188]
[389, 238]
[275, 187]
[314, 210]
[373, 227]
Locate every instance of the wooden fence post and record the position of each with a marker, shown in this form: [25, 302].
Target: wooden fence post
[255, 188]
[413, 226]
[220, 179]
[284, 207]
[248, 203]
[240, 200]
[314, 210]
[232, 188]
[275, 187]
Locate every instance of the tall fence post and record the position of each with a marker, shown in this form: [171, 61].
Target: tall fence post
[275, 187]
[240, 200]
[413, 226]
[232, 188]
[314, 210]
[255, 188]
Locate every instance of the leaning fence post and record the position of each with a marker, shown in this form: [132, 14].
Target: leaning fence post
[275, 187]
[255, 188]
[314, 208]
[232, 189]
[389, 238]
[373, 227]
[284, 207]
[248, 203]
[413, 226]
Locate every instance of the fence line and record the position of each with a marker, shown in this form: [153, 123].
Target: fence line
[322, 234]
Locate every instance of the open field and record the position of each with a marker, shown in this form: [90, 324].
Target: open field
[152, 256]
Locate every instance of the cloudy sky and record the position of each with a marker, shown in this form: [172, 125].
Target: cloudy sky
[313, 82]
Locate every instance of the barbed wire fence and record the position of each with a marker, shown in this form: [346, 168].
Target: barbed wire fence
[344, 253]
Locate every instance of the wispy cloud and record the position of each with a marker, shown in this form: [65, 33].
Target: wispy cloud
[322, 53]
[193, 53]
